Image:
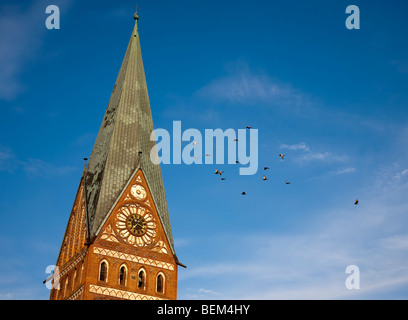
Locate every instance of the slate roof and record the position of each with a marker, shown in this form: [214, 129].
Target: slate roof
[124, 132]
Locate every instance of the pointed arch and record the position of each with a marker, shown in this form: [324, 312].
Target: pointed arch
[103, 271]
[141, 279]
[66, 289]
[74, 280]
[160, 282]
[123, 275]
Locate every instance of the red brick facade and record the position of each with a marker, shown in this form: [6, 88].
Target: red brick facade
[136, 266]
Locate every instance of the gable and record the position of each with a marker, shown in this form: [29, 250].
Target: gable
[135, 222]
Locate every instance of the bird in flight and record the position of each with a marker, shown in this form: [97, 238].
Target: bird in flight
[281, 155]
[264, 178]
[287, 182]
[216, 171]
[356, 202]
[223, 178]
[266, 168]
[243, 193]
[248, 127]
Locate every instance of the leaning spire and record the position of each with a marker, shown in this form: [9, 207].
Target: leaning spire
[123, 145]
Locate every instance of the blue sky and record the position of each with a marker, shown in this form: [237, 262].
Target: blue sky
[333, 100]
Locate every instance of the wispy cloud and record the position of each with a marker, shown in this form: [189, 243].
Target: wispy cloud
[201, 293]
[21, 29]
[322, 156]
[36, 167]
[207, 291]
[391, 176]
[298, 146]
[242, 85]
[309, 155]
[401, 174]
[33, 167]
[402, 65]
[311, 262]
[395, 242]
[6, 155]
[345, 170]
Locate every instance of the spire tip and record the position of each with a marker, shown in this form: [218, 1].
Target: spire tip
[136, 15]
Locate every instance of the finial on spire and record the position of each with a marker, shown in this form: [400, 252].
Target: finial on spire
[136, 16]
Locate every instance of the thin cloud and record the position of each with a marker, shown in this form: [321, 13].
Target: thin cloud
[33, 167]
[345, 170]
[298, 146]
[207, 291]
[402, 65]
[6, 156]
[21, 30]
[36, 167]
[395, 242]
[201, 293]
[401, 174]
[322, 156]
[309, 155]
[392, 175]
[311, 263]
[246, 86]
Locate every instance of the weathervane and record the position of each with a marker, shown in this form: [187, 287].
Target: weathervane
[136, 16]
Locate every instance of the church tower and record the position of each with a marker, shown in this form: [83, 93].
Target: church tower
[118, 242]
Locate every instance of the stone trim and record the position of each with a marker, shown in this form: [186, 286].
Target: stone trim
[133, 258]
[120, 293]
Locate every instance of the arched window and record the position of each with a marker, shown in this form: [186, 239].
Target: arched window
[160, 283]
[122, 275]
[74, 280]
[103, 271]
[82, 271]
[66, 290]
[141, 279]
[60, 293]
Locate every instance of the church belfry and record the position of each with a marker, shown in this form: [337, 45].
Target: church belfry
[118, 242]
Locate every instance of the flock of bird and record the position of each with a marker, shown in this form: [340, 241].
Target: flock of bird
[281, 155]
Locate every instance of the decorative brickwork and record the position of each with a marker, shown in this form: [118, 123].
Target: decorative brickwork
[120, 294]
[133, 258]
